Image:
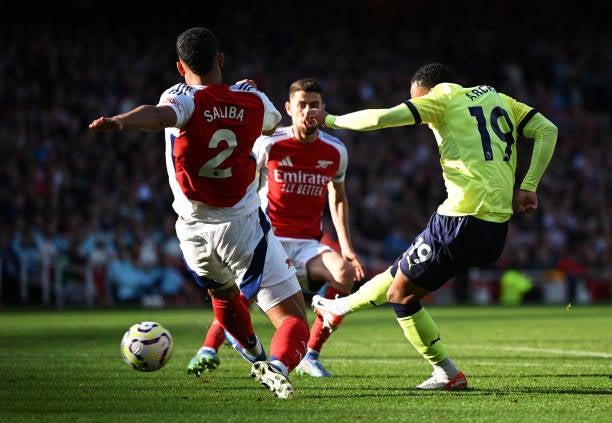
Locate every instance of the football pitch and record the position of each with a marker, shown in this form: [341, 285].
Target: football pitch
[523, 364]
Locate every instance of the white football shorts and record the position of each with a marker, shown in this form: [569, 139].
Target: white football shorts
[301, 251]
[221, 254]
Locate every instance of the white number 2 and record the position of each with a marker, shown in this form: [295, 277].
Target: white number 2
[211, 168]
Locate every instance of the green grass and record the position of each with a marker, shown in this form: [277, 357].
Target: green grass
[524, 364]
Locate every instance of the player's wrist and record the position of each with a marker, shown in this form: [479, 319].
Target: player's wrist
[330, 120]
[119, 122]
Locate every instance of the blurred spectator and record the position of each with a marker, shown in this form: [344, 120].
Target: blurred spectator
[73, 273]
[28, 255]
[515, 284]
[128, 281]
[99, 257]
[573, 263]
[514, 281]
[175, 286]
[9, 271]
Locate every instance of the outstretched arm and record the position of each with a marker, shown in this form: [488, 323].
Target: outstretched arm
[143, 118]
[362, 120]
[315, 117]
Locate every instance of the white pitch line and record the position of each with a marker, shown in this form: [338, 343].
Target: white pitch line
[555, 351]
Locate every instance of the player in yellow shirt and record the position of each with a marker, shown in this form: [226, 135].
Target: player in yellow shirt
[476, 129]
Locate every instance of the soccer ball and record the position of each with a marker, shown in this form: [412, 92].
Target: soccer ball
[147, 346]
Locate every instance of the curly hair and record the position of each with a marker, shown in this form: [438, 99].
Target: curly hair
[432, 74]
[198, 48]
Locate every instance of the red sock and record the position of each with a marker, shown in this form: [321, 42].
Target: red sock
[318, 334]
[215, 336]
[245, 300]
[331, 293]
[289, 342]
[234, 316]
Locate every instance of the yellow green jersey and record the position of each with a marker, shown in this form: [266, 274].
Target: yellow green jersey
[476, 130]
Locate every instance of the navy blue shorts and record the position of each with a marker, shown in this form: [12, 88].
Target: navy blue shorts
[449, 245]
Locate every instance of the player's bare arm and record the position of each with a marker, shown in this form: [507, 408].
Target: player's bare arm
[339, 210]
[248, 81]
[143, 118]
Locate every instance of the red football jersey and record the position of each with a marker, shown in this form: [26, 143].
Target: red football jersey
[210, 159]
[294, 178]
[217, 168]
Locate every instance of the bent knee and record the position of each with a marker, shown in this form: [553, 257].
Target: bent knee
[394, 296]
[293, 306]
[398, 295]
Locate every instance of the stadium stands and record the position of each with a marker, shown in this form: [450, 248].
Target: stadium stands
[62, 185]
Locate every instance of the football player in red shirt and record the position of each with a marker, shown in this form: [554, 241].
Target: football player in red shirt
[300, 171]
[225, 237]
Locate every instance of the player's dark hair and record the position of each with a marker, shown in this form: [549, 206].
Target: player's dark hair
[432, 74]
[306, 84]
[198, 48]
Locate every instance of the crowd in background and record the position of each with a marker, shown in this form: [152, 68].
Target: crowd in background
[72, 197]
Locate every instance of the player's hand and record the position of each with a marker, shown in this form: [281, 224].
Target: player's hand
[315, 117]
[356, 263]
[248, 81]
[104, 124]
[526, 202]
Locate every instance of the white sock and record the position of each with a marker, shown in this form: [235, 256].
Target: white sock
[313, 353]
[340, 306]
[448, 367]
[280, 366]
